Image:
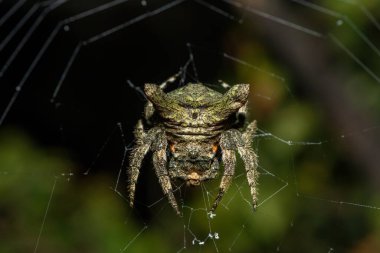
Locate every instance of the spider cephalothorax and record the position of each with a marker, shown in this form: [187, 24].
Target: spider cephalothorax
[189, 131]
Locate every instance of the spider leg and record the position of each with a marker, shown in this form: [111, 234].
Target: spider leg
[230, 141]
[160, 163]
[249, 133]
[171, 79]
[229, 161]
[139, 131]
[250, 160]
[143, 143]
[224, 84]
[148, 112]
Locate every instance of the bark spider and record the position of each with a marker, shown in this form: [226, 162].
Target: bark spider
[190, 130]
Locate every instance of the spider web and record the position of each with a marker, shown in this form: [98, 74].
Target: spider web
[71, 75]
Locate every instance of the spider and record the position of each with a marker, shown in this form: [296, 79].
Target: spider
[190, 130]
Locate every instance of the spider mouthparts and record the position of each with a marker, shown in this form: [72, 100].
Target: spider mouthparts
[193, 179]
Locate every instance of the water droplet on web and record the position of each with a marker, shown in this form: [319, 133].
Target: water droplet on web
[339, 22]
[144, 3]
[211, 215]
[66, 28]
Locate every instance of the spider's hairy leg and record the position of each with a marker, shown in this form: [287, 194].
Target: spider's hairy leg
[171, 79]
[250, 160]
[249, 133]
[228, 145]
[143, 143]
[139, 132]
[229, 161]
[148, 112]
[159, 162]
[230, 141]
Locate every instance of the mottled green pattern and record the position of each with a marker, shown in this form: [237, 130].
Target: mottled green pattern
[195, 111]
[195, 95]
[189, 131]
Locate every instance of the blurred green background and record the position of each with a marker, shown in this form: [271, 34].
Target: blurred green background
[313, 67]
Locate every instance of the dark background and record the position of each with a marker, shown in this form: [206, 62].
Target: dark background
[314, 82]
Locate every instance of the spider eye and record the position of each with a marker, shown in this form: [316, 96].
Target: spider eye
[172, 148]
[214, 148]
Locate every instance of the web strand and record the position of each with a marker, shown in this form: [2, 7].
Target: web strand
[191, 235]
[45, 216]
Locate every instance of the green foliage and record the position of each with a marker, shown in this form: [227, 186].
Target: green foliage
[313, 196]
